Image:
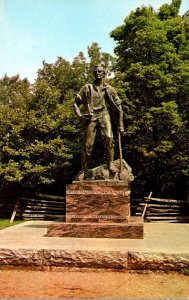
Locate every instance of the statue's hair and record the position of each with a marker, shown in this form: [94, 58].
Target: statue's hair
[100, 66]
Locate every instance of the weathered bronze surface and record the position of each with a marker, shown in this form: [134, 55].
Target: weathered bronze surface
[97, 100]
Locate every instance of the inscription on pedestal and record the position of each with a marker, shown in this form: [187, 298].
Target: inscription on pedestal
[97, 203]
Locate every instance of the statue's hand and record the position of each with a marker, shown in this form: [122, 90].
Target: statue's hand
[78, 112]
[84, 118]
[121, 129]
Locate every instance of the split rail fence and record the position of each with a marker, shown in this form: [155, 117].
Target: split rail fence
[161, 210]
[33, 206]
[36, 206]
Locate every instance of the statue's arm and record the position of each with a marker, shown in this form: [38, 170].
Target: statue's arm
[112, 92]
[121, 126]
[82, 98]
[78, 101]
[118, 104]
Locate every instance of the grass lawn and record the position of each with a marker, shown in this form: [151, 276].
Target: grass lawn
[6, 223]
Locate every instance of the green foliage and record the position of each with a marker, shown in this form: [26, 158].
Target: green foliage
[32, 149]
[169, 10]
[152, 78]
[40, 136]
[14, 92]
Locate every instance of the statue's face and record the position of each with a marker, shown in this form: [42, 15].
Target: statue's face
[98, 72]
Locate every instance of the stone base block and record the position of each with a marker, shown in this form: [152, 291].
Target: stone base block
[131, 230]
[97, 201]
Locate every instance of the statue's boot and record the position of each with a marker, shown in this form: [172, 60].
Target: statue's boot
[80, 176]
[111, 167]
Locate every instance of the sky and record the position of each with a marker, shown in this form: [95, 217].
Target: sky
[32, 31]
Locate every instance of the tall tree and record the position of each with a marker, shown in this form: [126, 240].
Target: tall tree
[151, 69]
[14, 94]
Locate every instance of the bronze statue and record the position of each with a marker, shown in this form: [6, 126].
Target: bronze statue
[96, 101]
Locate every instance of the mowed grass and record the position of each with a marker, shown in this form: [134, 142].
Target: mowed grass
[4, 223]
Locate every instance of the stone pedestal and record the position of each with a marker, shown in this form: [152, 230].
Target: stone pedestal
[97, 202]
[98, 209]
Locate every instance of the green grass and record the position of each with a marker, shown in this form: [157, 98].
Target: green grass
[185, 272]
[4, 223]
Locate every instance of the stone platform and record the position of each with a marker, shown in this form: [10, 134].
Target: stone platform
[165, 246]
[133, 229]
[98, 209]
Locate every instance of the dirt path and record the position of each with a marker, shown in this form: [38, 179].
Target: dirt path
[87, 284]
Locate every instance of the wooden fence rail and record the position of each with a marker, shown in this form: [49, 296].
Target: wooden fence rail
[161, 210]
[32, 206]
[41, 207]
[37, 206]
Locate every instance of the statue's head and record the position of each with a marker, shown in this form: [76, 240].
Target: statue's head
[99, 72]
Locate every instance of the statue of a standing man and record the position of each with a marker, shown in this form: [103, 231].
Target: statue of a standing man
[97, 99]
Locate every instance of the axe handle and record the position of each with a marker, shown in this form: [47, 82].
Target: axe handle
[120, 152]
